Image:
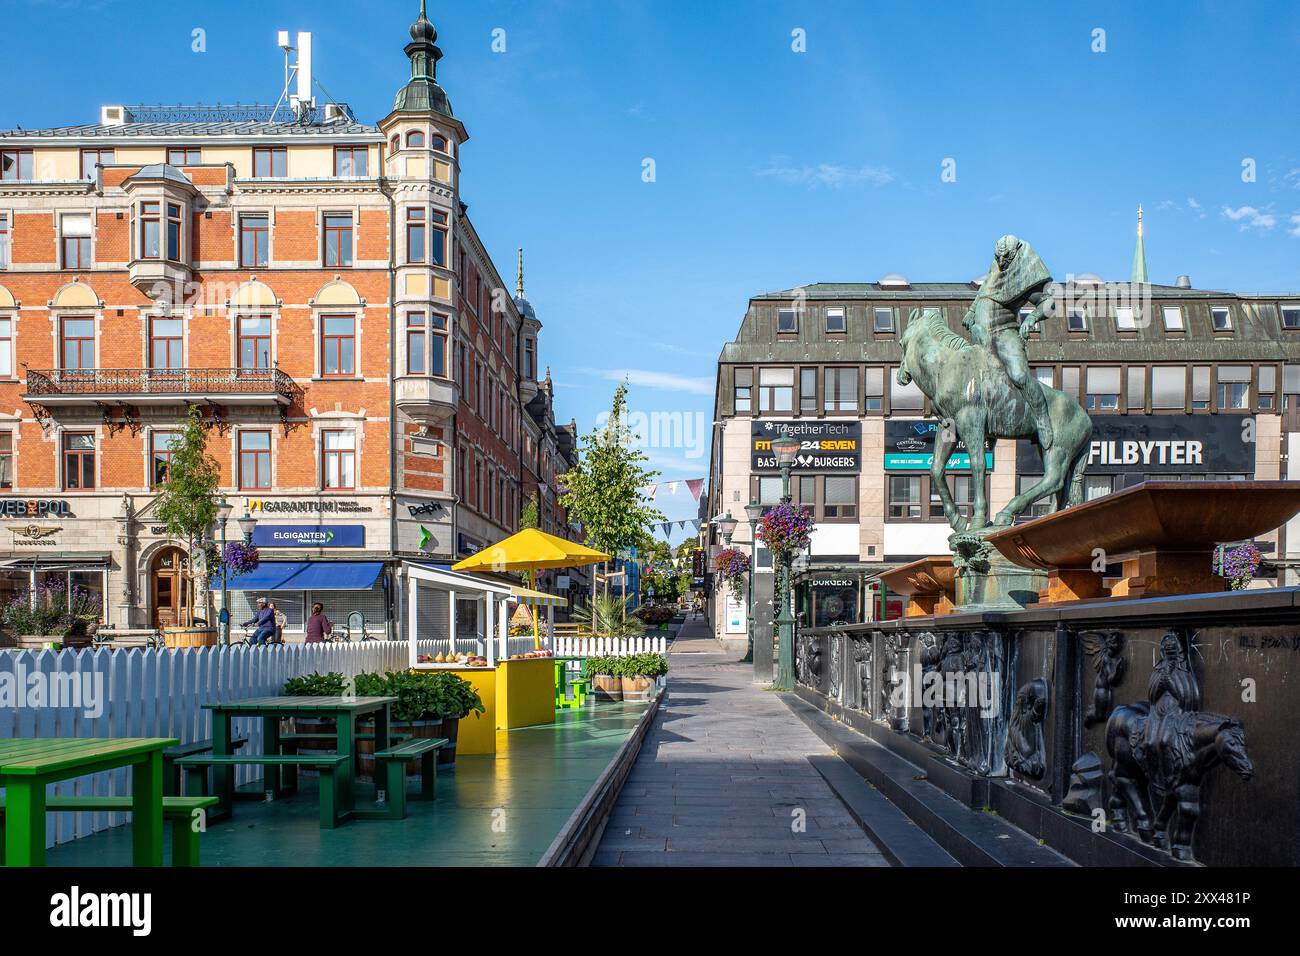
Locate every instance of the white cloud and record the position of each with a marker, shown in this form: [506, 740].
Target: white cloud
[648, 378]
[830, 175]
[1250, 217]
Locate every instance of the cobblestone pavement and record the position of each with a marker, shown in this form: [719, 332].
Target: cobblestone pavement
[723, 778]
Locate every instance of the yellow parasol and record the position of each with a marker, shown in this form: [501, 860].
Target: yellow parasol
[531, 550]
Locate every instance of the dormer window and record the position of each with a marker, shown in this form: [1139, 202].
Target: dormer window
[415, 139]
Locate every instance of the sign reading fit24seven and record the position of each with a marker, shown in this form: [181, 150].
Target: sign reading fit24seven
[823, 446]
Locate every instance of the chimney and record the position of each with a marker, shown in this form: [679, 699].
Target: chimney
[1183, 282]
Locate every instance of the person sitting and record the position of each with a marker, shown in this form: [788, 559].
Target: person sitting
[263, 621]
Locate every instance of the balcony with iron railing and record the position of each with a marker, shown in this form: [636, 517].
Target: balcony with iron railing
[159, 386]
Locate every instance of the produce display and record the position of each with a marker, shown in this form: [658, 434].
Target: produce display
[532, 655]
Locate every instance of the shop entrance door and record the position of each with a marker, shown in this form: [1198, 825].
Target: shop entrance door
[171, 594]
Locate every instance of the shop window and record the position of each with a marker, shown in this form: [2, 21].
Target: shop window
[776, 389]
[1234, 387]
[254, 461]
[841, 390]
[338, 239]
[78, 461]
[808, 390]
[338, 345]
[744, 383]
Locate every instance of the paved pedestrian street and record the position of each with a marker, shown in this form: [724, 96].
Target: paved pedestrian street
[724, 778]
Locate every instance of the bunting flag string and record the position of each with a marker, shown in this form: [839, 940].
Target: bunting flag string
[694, 485]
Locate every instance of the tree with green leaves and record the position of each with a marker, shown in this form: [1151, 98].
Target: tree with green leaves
[605, 492]
[187, 498]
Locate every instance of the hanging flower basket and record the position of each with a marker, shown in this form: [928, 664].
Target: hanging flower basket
[240, 558]
[1237, 564]
[731, 565]
[785, 529]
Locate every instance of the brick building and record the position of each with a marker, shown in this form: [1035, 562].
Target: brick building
[315, 286]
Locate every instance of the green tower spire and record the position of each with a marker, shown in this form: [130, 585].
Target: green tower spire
[1139, 254]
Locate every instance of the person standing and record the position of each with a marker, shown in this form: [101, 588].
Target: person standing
[318, 625]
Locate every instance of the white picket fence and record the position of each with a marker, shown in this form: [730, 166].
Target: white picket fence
[608, 646]
[158, 693]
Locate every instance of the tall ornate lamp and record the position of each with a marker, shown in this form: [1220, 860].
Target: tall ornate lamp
[785, 446]
[753, 511]
[224, 508]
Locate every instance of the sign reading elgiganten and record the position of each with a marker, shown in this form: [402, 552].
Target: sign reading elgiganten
[823, 446]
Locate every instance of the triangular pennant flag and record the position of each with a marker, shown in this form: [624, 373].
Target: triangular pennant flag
[695, 486]
[672, 487]
[649, 491]
[696, 523]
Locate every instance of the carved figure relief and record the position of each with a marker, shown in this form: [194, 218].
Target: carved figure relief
[862, 672]
[1161, 750]
[1086, 777]
[931, 716]
[1107, 653]
[893, 682]
[837, 667]
[1026, 751]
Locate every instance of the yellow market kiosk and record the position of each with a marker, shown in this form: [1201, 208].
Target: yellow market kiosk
[515, 693]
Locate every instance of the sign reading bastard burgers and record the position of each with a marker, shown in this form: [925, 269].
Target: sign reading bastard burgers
[823, 446]
[1158, 445]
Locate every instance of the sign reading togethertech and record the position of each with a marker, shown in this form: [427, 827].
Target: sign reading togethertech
[824, 446]
[909, 446]
[1161, 445]
[308, 536]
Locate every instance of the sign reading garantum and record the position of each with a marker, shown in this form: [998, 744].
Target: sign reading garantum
[307, 506]
[823, 446]
[34, 508]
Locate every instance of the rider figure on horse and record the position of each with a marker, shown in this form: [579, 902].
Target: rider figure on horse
[1018, 278]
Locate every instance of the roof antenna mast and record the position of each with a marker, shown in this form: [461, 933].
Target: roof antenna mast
[296, 75]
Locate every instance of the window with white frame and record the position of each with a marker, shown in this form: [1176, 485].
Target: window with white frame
[882, 320]
[1290, 313]
[4, 240]
[787, 321]
[6, 346]
[1173, 316]
[835, 320]
[75, 239]
[1221, 319]
[1125, 319]
[6, 459]
[339, 458]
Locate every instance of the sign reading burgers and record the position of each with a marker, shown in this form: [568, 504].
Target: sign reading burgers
[823, 446]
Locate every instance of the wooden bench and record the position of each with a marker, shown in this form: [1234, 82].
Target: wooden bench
[181, 811]
[172, 775]
[289, 743]
[394, 760]
[331, 789]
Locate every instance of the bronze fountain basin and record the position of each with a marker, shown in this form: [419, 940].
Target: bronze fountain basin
[929, 583]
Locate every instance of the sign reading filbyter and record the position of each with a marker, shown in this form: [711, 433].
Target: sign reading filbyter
[309, 536]
[823, 446]
[909, 446]
[1161, 445]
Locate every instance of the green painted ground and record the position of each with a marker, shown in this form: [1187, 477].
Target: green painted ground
[501, 811]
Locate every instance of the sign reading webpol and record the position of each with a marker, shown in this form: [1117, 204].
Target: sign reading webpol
[823, 446]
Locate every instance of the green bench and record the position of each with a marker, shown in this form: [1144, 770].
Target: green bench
[332, 798]
[289, 743]
[181, 811]
[393, 761]
[172, 775]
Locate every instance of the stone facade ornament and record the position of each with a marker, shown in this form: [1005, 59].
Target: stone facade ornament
[1026, 751]
[1161, 751]
[1107, 653]
[1086, 776]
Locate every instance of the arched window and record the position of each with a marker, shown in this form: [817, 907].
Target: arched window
[439, 144]
[415, 139]
[395, 143]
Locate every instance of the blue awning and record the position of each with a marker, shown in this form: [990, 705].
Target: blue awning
[309, 576]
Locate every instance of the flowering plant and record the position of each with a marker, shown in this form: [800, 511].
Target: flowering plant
[731, 565]
[786, 528]
[240, 558]
[1237, 564]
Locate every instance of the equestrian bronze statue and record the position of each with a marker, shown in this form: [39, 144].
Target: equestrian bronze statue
[982, 390]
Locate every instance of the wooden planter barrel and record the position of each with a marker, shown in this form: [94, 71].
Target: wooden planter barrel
[637, 688]
[181, 637]
[605, 687]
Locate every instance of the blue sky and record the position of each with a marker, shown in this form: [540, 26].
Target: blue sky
[772, 168]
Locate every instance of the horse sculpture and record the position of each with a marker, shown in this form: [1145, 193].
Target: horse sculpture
[1167, 775]
[972, 395]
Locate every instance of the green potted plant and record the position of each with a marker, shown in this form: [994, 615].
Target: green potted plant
[637, 674]
[429, 704]
[603, 674]
[332, 684]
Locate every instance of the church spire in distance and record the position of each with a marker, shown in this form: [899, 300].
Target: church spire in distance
[1139, 254]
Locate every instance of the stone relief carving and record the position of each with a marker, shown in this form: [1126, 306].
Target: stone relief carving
[1086, 777]
[894, 660]
[860, 684]
[1026, 751]
[1161, 751]
[931, 654]
[1107, 653]
[837, 667]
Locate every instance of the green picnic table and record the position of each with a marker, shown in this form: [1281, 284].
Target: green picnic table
[27, 766]
[344, 711]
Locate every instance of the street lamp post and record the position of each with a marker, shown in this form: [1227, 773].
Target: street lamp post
[726, 526]
[785, 447]
[753, 511]
[223, 514]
